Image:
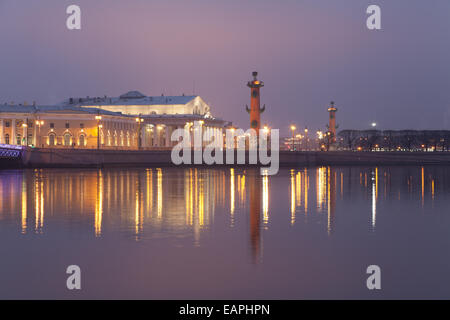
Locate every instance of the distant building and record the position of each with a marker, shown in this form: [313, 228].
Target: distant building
[127, 122]
[394, 140]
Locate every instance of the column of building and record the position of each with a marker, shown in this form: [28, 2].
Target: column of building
[156, 133]
[168, 133]
[13, 139]
[35, 134]
[143, 136]
[2, 139]
[24, 133]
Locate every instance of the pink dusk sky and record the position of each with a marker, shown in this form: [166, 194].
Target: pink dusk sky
[307, 53]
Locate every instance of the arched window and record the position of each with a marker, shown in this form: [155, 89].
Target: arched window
[6, 138]
[67, 137]
[51, 139]
[82, 141]
[19, 139]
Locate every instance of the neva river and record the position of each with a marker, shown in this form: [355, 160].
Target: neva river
[181, 233]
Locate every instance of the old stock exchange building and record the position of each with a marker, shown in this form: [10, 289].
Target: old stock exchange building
[130, 121]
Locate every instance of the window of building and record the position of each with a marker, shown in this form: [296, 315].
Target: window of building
[7, 124]
[81, 125]
[18, 139]
[67, 139]
[52, 125]
[51, 139]
[82, 141]
[7, 138]
[67, 125]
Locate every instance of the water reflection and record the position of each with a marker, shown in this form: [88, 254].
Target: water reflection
[158, 202]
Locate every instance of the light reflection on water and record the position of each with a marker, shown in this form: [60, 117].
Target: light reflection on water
[192, 207]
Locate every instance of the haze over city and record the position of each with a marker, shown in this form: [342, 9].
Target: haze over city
[306, 52]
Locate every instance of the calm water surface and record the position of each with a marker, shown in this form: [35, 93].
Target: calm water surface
[225, 233]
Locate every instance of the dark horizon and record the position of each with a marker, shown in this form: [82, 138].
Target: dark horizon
[307, 54]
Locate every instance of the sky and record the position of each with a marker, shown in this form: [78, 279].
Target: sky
[307, 52]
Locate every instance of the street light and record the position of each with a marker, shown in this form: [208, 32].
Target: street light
[320, 134]
[374, 124]
[306, 137]
[293, 136]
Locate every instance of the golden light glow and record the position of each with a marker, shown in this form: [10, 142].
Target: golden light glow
[99, 205]
[293, 128]
[329, 194]
[423, 185]
[159, 192]
[189, 199]
[232, 193]
[201, 204]
[306, 187]
[298, 188]
[321, 187]
[292, 197]
[432, 189]
[190, 207]
[149, 189]
[265, 200]
[39, 203]
[24, 205]
[374, 199]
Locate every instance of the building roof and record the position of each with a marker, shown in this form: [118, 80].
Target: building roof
[130, 98]
[55, 109]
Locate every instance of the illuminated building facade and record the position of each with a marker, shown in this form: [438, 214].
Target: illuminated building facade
[130, 121]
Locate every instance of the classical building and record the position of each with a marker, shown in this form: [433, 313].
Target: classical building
[130, 121]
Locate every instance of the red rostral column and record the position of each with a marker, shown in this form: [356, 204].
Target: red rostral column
[332, 126]
[255, 110]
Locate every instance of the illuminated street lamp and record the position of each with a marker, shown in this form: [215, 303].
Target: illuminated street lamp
[306, 138]
[293, 128]
[320, 134]
[374, 124]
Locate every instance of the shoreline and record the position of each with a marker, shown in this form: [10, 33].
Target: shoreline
[88, 158]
